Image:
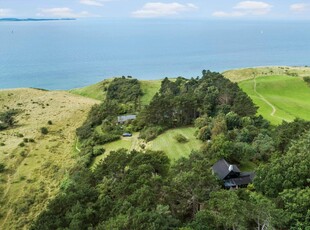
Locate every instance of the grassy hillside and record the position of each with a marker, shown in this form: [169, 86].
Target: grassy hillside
[97, 91]
[34, 170]
[238, 75]
[149, 89]
[164, 142]
[279, 97]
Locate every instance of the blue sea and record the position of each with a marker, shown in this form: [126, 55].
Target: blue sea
[70, 54]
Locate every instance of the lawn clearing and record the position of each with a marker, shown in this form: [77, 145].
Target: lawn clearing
[166, 142]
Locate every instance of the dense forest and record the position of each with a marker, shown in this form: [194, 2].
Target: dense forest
[146, 190]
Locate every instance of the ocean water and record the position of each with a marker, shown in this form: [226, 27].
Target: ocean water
[70, 54]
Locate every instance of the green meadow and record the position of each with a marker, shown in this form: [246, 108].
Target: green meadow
[165, 142]
[288, 96]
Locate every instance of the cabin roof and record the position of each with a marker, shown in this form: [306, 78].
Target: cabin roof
[221, 168]
[121, 119]
[244, 179]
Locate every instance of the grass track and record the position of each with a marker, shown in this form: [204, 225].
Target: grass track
[289, 95]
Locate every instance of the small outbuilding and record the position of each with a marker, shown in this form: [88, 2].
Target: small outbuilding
[231, 175]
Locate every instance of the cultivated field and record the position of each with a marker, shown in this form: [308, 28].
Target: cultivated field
[36, 164]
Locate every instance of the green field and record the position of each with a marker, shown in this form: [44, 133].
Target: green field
[164, 142]
[279, 97]
[95, 91]
[149, 89]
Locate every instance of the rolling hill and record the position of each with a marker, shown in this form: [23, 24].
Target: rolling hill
[279, 91]
[97, 91]
[279, 97]
[36, 169]
[36, 164]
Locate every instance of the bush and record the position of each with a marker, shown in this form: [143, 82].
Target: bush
[98, 152]
[2, 167]
[44, 130]
[180, 138]
[22, 144]
[49, 122]
[8, 119]
[150, 133]
[23, 154]
[307, 80]
[105, 138]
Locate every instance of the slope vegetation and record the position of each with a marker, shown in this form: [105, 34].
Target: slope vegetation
[279, 97]
[35, 164]
[98, 91]
[238, 75]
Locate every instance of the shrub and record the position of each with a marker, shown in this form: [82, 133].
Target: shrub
[22, 144]
[150, 133]
[307, 80]
[180, 138]
[2, 167]
[8, 119]
[105, 138]
[98, 151]
[23, 154]
[44, 130]
[2, 144]
[49, 122]
[31, 140]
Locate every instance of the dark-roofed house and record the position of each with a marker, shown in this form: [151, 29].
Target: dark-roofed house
[231, 175]
[124, 118]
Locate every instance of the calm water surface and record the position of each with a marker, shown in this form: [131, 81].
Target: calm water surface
[69, 54]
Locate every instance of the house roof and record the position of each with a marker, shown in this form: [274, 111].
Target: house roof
[222, 168]
[244, 179]
[124, 118]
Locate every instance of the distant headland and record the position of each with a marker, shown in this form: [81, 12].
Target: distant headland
[34, 19]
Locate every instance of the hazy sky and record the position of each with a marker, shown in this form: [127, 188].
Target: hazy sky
[217, 9]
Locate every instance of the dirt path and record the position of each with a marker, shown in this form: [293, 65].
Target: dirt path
[76, 145]
[274, 110]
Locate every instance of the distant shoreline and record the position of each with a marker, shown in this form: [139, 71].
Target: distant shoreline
[34, 19]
